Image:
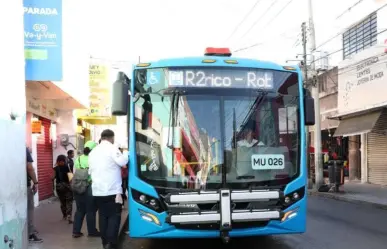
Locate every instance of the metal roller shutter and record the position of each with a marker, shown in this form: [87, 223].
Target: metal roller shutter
[377, 152]
[45, 161]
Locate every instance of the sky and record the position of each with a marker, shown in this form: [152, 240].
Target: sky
[156, 29]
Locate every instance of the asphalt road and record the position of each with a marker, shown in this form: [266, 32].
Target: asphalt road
[331, 225]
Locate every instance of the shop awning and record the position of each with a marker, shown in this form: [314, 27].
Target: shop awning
[357, 125]
[99, 120]
[94, 120]
[49, 91]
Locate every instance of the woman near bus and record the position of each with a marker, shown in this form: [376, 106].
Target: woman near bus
[85, 202]
[63, 189]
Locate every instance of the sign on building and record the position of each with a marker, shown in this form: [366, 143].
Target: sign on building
[43, 40]
[363, 81]
[100, 91]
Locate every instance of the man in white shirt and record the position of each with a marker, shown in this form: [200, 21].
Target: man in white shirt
[105, 163]
[248, 140]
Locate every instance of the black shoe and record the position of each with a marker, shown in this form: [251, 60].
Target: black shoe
[35, 239]
[109, 246]
[96, 234]
[77, 235]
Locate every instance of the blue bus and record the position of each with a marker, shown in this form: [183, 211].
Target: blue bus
[217, 147]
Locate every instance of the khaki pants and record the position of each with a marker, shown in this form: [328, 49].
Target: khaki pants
[30, 208]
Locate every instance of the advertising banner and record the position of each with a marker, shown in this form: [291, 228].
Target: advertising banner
[100, 91]
[43, 40]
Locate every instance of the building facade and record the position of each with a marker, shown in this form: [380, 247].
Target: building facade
[361, 104]
[354, 46]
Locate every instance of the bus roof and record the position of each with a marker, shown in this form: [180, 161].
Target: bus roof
[215, 61]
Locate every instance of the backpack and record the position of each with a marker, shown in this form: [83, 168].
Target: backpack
[80, 180]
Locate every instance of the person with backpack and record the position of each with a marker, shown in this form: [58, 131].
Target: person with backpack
[81, 186]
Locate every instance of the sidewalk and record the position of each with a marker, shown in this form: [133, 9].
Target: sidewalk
[57, 234]
[357, 192]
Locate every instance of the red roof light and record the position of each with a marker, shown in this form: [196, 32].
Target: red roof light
[218, 52]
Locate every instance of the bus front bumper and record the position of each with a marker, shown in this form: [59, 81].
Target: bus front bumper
[145, 223]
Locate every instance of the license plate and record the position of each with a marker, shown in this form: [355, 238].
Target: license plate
[268, 161]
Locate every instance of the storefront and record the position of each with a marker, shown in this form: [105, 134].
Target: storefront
[362, 111]
[41, 119]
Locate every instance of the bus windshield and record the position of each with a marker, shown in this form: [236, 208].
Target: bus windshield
[229, 138]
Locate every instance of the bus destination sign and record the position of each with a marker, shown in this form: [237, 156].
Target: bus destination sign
[221, 78]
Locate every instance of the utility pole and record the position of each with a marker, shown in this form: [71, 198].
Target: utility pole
[305, 61]
[316, 96]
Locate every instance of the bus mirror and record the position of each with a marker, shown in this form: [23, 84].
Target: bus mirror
[309, 111]
[146, 119]
[120, 99]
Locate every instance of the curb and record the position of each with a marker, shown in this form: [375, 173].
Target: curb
[347, 199]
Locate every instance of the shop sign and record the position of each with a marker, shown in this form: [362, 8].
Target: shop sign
[42, 110]
[43, 40]
[100, 91]
[36, 126]
[362, 81]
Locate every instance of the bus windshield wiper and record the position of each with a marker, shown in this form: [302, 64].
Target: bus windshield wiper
[173, 115]
[245, 177]
[235, 138]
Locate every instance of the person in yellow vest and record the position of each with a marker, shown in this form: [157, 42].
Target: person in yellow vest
[86, 205]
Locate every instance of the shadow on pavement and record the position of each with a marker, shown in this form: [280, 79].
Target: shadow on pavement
[266, 242]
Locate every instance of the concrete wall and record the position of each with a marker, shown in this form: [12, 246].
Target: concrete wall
[67, 124]
[13, 194]
[328, 83]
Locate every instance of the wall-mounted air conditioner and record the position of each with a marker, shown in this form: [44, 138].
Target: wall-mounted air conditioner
[322, 60]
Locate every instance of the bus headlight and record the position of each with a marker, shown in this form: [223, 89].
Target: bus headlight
[153, 203]
[147, 201]
[143, 198]
[293, 197]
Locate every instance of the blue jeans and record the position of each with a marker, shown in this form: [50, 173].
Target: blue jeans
[86, 206]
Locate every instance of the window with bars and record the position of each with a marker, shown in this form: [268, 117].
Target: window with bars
[361, 36]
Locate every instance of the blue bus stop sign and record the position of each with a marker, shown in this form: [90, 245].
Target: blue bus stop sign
[43, 40]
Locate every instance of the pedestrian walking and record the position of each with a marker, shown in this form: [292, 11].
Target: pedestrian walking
[84, 199]
[70, 159]
[105, 163]
[63, 189]
[31, 191]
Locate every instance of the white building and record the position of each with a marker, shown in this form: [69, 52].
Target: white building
[359, 51]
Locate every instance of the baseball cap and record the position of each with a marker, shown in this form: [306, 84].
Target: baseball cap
[90, 144]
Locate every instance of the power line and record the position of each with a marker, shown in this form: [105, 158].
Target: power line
[267, 24]
[256, 21]
[258, 43]
[349, 9]
[343, 31]
[244, 19]
[279, 12]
